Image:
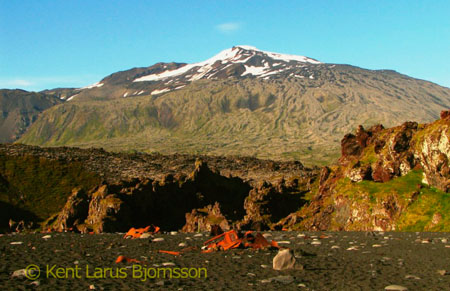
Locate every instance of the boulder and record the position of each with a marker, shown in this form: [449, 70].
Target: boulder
[445, 114]
[285, 260]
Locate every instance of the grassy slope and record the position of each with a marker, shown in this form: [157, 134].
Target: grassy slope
[40, 186]
[418, 211]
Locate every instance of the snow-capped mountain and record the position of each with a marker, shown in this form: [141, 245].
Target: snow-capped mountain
[238, 62]
[242, 101]
[250, 61]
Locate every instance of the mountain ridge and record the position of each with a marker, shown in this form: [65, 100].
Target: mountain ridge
[241, 101]
[20, 109]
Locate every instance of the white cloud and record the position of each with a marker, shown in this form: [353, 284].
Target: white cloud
[228, 27]
[16, 83]
[47, 82]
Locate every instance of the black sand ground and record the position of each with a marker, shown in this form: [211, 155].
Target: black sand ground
[343, 261]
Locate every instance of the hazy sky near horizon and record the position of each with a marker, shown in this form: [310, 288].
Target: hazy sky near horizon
[47, 44]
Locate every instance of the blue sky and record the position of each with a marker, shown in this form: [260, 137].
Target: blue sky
[48, 44]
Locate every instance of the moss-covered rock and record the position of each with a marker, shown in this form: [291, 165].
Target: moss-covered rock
[386, 179]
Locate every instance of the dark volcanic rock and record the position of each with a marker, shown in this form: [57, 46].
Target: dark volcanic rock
[74, 212]
[115, 167]
[208, 218]
[138, 203]
[445, 114]
[267, 204]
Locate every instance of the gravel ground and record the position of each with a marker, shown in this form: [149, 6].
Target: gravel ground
[331, 261]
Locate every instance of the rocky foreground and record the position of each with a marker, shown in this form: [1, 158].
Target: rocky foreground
[386, 179]
[325, 261]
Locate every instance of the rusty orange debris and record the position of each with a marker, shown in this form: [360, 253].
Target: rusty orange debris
[231, 240]
[175, 253]
[170, 252]
[121, 259]
[137, 232]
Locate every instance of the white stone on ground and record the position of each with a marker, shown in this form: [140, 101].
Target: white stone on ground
[145, 235]
[284, 260]
[23, 273]
[412, 277]
[395, 288]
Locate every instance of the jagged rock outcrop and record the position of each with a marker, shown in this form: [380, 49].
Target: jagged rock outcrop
[72, 215]
[119, 206]
[205, 219]
[194, 202]
[266, 204]
[386, 179]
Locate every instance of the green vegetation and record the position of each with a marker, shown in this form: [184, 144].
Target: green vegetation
[402, 186]
[369, 156]
[429, 203]
[416, 202]
[38, 186]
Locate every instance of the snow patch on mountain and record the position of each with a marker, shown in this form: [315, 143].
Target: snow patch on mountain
[95, 85]
[255, 71]
[156, 92]
[236, 55]
[73, 96]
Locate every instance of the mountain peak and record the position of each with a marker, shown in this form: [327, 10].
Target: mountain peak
[251, 61]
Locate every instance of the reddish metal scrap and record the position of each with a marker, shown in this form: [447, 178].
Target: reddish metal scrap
[225, 241]
[231, 240]
[170, 252]
[122, 259]
[137, 232]
[175, 253]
